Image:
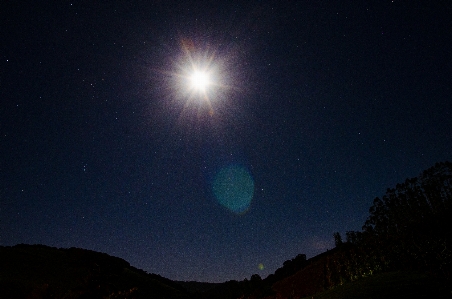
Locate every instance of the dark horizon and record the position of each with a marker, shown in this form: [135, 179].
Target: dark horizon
[313, 111]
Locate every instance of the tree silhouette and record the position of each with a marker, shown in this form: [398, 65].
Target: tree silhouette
[337, 239]
[410, 224]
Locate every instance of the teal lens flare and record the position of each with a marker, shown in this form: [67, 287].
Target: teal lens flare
[233, 187]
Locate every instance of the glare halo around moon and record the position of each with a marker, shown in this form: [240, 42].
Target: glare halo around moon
[199, 78]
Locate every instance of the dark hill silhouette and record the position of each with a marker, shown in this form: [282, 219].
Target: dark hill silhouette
[197, 287]
[38, 271]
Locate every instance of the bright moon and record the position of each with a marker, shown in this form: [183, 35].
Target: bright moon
[199, 80]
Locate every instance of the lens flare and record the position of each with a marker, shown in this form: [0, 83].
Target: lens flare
[233, 188]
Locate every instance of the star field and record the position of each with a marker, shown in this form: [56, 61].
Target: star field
[320, 108]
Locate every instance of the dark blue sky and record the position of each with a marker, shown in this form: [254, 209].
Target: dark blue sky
[320, 108]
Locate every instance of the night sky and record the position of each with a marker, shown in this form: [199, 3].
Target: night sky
[313, 109]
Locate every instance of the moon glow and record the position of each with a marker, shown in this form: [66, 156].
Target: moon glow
[199, 80]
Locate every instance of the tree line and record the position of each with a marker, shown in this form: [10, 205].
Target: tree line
[408, 228]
